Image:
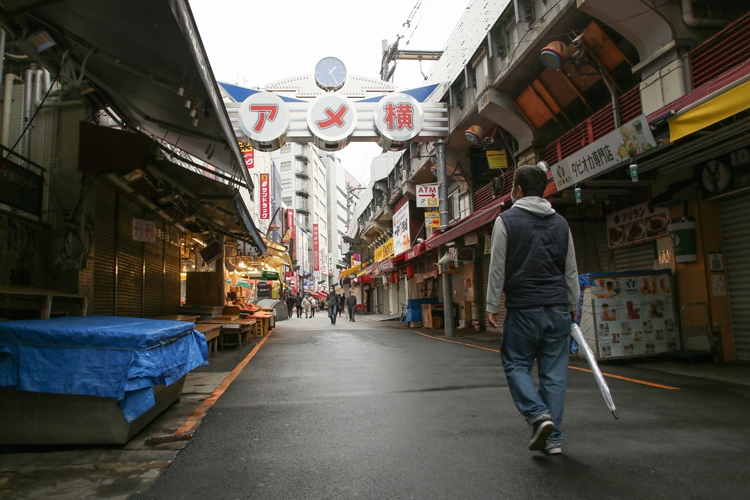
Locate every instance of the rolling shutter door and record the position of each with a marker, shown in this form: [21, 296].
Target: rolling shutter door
[635, 258]
[736, 229]
[130, 262]
[154, 291]
[103, 301]
[457, 284]
[171, 270]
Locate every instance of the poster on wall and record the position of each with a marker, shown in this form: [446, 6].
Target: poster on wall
[401, 233]
[637, 224]
[633, 315]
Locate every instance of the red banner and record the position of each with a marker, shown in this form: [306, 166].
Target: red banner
[290, 221]
[265, 196]
[249, 155]
[316, 248]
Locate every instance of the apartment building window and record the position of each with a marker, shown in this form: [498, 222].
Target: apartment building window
[302, 184]
[321, 205]
[286, 148]
[286, 183]
[286, 166]
[287, 201]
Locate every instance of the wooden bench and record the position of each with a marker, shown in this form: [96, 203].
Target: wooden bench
[244, 328]
[211, 332]
[42, 300]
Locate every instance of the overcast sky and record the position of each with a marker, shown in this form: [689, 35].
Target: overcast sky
[252, 43]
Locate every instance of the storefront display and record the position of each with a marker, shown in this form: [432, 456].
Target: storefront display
[629, 314]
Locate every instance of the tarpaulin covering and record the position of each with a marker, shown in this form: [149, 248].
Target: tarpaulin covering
[110, 357]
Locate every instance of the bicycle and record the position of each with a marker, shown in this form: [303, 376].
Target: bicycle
[402, 315]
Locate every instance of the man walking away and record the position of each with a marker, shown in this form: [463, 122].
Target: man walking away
[333, 305]
[533, 261]
[306, 305]
[313, 306]
[290, 304]
[351, 303]
[298, 304]
[342, 304]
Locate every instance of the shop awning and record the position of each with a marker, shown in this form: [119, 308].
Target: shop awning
[145, 60]
[278, 251]
[474, 221]
[352, 270]
[712, 102]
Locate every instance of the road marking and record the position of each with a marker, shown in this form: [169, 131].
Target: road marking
[610, 375]
[194, 419]
[634, 380]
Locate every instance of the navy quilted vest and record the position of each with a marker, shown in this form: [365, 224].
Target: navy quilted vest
[535, 259]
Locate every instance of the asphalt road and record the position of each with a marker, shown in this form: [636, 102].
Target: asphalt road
[366, 410]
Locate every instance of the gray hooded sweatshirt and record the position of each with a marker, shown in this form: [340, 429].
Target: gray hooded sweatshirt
[538, 206]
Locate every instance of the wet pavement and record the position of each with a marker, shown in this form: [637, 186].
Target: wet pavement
[373, 410]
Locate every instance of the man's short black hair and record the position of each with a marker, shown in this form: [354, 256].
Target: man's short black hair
[533, 180]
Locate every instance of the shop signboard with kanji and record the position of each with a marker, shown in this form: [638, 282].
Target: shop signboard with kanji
[497, 159]
[401, 232]
[144, 230]
[432, 219]
[629, 140]
[398, 119]
[637, 224]
[427, 195]
[248, 153]
[265, 196]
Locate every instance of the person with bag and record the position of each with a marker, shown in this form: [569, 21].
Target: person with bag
[313, 306]
[351, 303]
[333, 305]
[533, 261]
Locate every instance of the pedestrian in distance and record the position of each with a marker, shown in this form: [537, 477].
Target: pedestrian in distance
[307, 305]
[313, 306]
[290, 304]
[298, 304]
[533, 261]
[333, 305]
[342, 304]
[351, 304]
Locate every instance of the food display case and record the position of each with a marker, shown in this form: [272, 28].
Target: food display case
[629, 314]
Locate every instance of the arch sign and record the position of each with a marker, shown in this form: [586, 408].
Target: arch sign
[332, 120]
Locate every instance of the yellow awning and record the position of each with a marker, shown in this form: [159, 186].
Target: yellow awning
[279, 252]
[364, 271]
[347, 272]
[722, 106]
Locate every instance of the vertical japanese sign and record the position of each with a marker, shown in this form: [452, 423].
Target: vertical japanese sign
[316, 248]
[290, 221]
[356, 259]
[401, 233]
[248, 152]
[265, 196]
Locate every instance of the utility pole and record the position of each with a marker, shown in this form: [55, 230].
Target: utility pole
[443, 193]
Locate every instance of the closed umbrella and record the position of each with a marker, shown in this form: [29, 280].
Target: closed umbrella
[578, 336]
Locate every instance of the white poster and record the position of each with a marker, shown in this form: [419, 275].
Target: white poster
[634, 315]
[401, 233]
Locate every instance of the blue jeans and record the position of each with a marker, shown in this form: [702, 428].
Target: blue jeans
[539, 333]
[332, 310]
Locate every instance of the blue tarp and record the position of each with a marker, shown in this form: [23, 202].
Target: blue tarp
[414, 308]
[110, 357]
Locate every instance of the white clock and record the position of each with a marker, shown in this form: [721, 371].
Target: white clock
[330, 74]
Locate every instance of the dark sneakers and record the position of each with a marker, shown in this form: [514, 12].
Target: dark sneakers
[542, 430]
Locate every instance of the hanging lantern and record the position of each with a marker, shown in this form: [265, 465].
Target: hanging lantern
[394, 277]
[409, 271]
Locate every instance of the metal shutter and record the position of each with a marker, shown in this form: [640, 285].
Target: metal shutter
[736, 229]
[172, 271]
[635, 258]
[457, 284]
[154, 264]
[103, 301]
[130, 262]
